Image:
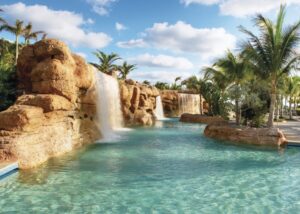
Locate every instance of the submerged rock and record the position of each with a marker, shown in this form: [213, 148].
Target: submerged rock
[197, 118]
[246, 135]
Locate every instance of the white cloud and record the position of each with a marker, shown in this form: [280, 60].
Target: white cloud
[83, 55]
[206, 2]
[182, 37]
[90, 21]
[63, 25]
[134, 43]
[159, 75]
[242, 8]
[120, 27]
[101, 7]
[162, 61]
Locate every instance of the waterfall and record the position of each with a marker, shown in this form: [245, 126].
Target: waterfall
[189, 103]
[159, 111]
[109, 113]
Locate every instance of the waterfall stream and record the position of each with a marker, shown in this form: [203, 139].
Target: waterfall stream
[109, 113]
[159, 111]
[189, 103]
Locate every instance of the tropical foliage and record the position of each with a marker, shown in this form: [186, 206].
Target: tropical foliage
[106, 62]
[272, 53]
[125, 69]
[8, 58]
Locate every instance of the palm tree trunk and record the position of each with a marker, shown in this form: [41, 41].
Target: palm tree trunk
[281, 106]
[272, 105]
[237, 112]
[290, 109]
[277, 108]
[17, 48]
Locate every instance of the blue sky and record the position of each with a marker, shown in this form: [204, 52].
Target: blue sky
[165, 38]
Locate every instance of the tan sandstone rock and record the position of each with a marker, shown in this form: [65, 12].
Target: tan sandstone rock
[138, 102]
[246, 135]
[48, 102]
[57, 113]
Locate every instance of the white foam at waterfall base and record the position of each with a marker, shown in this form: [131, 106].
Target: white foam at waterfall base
[109, 113]
[159, 111]
[189, 103]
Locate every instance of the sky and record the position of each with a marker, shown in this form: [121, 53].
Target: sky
[164, 38]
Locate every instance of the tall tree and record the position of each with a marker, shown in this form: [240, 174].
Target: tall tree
[272, 52]
[125, 69]
[17, 29]
[235, 70]
[107, 61]
[293, 90]
[29, 34]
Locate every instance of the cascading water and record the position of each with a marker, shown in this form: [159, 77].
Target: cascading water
[159, 111]
[189, 103]
[109, 113]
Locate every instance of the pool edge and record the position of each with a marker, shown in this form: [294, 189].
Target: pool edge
[8, 169]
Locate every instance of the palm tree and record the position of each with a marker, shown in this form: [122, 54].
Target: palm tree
[174, 86]
[162, 85]
[106, 62]
[293, 89]
[28, 34]
[125, 69]
[1, 19]
[272, 53]
[235, 70]
[18, 30]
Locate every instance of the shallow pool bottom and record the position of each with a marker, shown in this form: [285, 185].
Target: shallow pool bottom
[170, 168]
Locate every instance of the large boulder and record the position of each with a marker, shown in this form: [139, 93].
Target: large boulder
[246, 135]
[21, 118]
[48, 102]
[56, 112]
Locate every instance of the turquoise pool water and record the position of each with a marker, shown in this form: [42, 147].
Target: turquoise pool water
[170, 168]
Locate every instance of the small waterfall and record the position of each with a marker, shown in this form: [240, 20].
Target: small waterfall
[109, 113]
[159, 111]
[189, 103]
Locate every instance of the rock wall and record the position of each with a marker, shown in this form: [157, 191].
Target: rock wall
[56, 112]
[138, 102]
[170, 102]
[246, 135]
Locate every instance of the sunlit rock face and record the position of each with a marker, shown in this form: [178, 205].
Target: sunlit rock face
[56, 111]
[138, 102]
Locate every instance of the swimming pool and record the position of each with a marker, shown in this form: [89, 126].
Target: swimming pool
[169, 168]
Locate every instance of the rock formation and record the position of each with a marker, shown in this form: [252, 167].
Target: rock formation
[170, 102]
[56, 111]
[246, 135]
[197, 118]
[138, 102]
